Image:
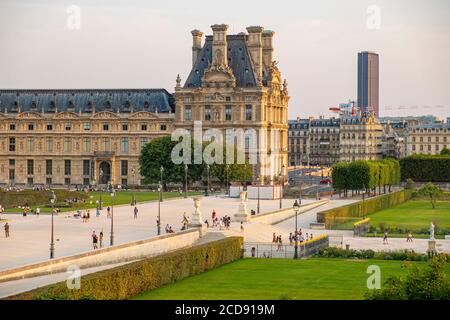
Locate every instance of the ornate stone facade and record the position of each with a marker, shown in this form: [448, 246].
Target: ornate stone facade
[360, 138]
[55, 137]
[235, 84]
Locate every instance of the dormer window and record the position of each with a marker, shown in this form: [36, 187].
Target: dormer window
[33, 105]
[90, 106]
[146, 105]
[70, 105]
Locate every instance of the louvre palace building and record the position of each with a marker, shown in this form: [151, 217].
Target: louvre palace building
[95, 136]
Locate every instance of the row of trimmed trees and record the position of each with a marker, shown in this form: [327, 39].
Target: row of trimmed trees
[365, 175]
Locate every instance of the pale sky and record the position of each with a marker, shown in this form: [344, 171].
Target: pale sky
[145, 44]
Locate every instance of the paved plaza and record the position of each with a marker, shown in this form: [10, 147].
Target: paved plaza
[30, 236]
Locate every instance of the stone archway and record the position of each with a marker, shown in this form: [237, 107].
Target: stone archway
[105, 169]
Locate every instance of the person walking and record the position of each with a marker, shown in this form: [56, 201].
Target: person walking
[94, 240]
[108, 212]
[385, 238]
[274, 238]
[242, 226]
[38, 211]
[135, 212]
[97, 212]
[7, 230]
[100, 238]
[409, 237]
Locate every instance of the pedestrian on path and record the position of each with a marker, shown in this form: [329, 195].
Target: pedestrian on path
[135, 212]
[97, 212]
[38, 211]
[385, 238]
[409, 237]
[242, 226]
[101, 239]
[94, 240]
[6, 230]
[108, 212]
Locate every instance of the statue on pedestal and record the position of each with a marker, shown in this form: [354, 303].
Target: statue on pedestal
[432, 231]
[243, 214]
[196, 220]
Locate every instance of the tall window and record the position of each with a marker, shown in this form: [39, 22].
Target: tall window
[12, 144]
[68, 144]
[124, 168]
[144, 141]
[124, 126]
[49, 127]
[248, 112]
[30, 166]
[124, 144]
[86, 126]
[105, 126]
[12, 126]
[86, 167]
[49, 143]
[30, 144]
[31, 126]
[68, 126]
[105, 144]
[207, 113]
[86, 145]
[48, 167]
[187, 113]
[67, 167]
[228, 113]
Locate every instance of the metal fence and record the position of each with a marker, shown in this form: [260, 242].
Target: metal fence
[275, 250]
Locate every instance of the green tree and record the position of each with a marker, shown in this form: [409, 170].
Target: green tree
[432, 191]
[420, 284]
[445, 152]
[241, 173]
[158, 153]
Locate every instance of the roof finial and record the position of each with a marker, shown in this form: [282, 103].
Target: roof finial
[178, 81]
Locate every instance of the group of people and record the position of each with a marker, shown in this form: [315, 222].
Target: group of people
[298, 236]
[97, 240]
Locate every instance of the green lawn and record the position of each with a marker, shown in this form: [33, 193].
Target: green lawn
[412, 215]
[121, 197]
[316, 278]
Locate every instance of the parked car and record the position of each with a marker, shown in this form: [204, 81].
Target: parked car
[326, 181]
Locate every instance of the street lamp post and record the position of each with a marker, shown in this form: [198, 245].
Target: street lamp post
[282, 183]
[162, 184]
[258, 182]
[159, 212]
[227, 190]
[52, 241]
[296, 207]
[100, 182]
[207, 182]
[133, 201]
[300, 195]
[185, 180]
[112, 193]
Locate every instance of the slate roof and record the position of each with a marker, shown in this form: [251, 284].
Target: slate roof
[86, 100]
[238, 60]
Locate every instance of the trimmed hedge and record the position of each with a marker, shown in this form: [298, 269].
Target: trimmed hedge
[359, 209]
[129, 280]
[426, 168]
[402, 255]
[10, 199]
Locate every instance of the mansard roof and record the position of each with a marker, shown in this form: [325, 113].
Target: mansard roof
[238, 60]
[86, 100]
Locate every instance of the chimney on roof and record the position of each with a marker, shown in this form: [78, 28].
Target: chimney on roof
[267, 43]
[255, 48]
[219, 48]
[196, 44]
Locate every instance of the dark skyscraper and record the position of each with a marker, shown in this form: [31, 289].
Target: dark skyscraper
[368, 82]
